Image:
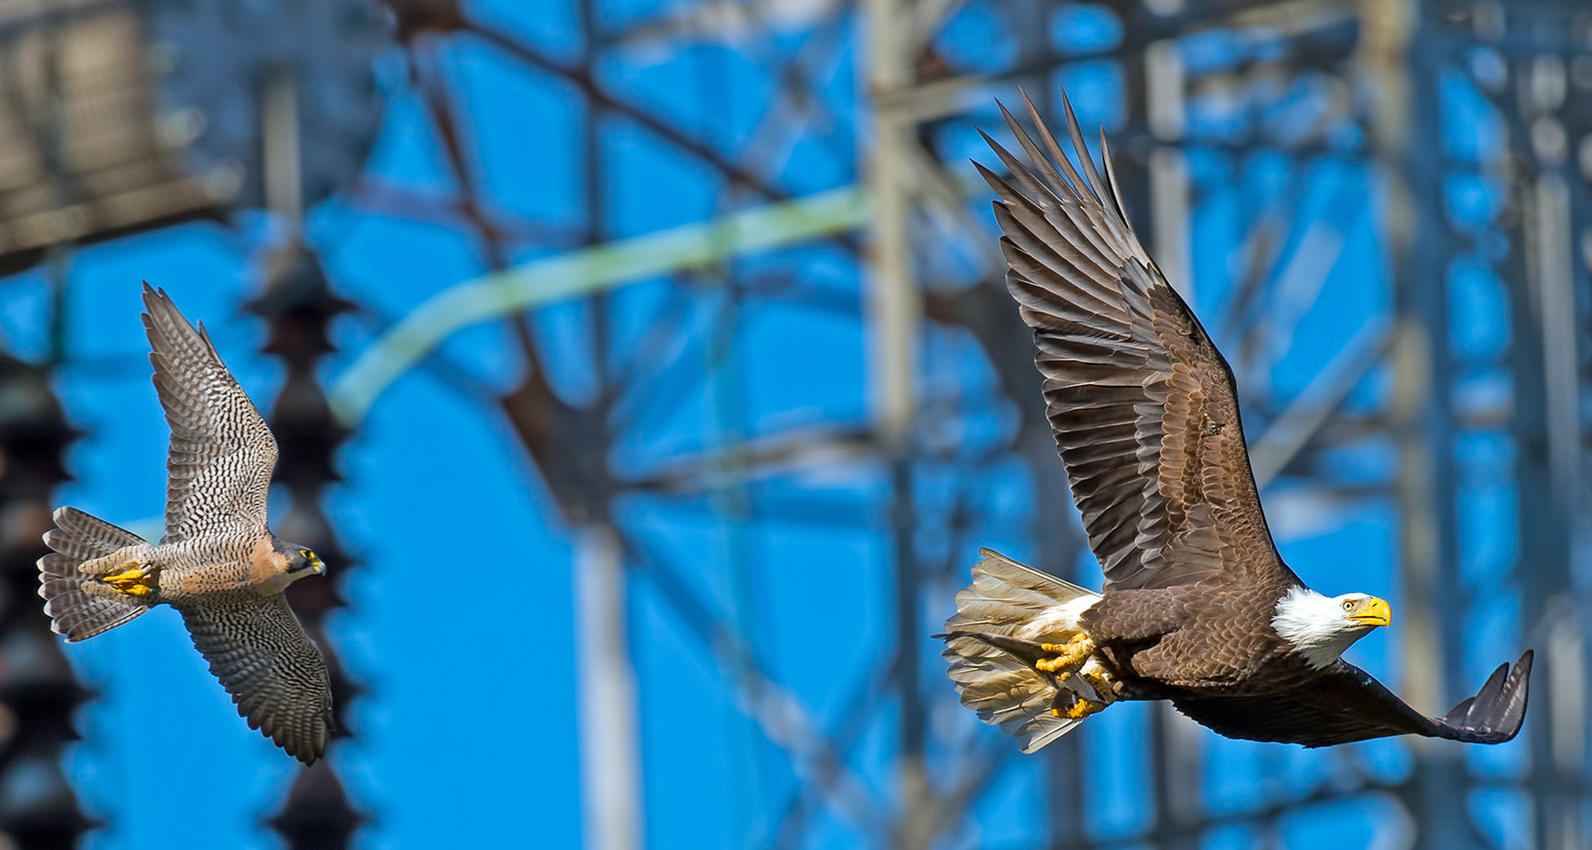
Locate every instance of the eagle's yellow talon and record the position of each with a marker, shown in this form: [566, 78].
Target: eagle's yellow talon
[137, 581]
[1067, 657]
[1083, 708]
[1101, 683]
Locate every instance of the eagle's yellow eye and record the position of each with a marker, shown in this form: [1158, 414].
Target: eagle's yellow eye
[1348, 604]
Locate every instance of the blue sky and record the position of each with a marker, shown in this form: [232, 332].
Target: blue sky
[460, 620]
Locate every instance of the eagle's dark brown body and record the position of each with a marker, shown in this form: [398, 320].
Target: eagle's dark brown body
[1212, 638]
[1198, 606]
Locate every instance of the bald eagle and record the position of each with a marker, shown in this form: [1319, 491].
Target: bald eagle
[1198, 607]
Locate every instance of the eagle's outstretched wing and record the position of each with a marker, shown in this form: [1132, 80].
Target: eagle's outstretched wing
[1346, 704]
[219, 465]
[1142, 404]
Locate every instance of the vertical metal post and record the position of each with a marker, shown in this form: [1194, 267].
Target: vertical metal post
[279, 131]
[610, 784]
[1554, 304]
[894, 304]
[1404, 119]
[1057, 544]
[894, 311]
[1547, 447]
[1177, 779]
[58, 257]
[298, 305]
[610, 733]
[1169, 184]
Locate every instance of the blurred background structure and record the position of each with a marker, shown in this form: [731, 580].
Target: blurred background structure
[651, 361]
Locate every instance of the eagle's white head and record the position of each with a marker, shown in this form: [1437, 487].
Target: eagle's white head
[1322, 627]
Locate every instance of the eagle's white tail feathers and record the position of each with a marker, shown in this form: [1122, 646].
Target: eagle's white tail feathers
[79, 537]
[1009, 598]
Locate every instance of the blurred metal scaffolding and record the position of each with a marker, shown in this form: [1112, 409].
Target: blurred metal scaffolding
[1370, 90]
[124, 116]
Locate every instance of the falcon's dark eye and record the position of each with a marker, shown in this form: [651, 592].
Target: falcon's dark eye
[1348, 604]
[306, 554]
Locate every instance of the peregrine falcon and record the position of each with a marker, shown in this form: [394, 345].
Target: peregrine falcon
[219, 564]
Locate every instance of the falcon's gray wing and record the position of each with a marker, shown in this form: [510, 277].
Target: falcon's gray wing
[221, 456]
[274, 672]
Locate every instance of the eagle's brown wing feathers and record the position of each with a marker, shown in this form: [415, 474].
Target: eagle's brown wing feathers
[1142, 405]
[221, 456]
[1346, 704]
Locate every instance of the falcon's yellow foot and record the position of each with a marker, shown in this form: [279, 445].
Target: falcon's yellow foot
[138, 581]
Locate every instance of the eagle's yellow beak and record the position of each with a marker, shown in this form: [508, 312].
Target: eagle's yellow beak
[1375, 612]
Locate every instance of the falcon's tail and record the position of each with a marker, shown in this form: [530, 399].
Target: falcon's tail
[993, 642]
[74, 612]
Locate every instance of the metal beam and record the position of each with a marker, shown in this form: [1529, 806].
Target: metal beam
[1405, 119]
[584, 272]
[609, 774]
[894, 304]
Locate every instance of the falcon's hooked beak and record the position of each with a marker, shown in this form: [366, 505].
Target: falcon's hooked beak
[310, 562]
[1373, 612]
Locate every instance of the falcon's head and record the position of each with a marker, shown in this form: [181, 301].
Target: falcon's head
[1321, 627]
[301, 561]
